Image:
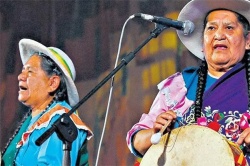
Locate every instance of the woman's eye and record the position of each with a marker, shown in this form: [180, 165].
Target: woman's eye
[210, 28]
[229, 27]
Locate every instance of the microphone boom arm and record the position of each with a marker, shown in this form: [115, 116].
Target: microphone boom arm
[61, 124]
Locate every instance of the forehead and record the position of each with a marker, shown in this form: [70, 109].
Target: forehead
[221, 14]
[34, 60]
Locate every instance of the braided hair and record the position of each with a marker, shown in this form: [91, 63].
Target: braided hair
[248, 76]
[202, 77]
[16, 131]
[50, 68]
[202, 72]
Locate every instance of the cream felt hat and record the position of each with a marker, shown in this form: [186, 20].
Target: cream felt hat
[196, 11]
[28, 47]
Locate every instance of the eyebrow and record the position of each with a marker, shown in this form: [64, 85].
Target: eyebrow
[27, 67]
[224, 23]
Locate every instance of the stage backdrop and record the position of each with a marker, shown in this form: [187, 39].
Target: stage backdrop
[89, 32]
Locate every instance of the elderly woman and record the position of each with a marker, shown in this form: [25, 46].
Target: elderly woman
[217, 94]
[46, 86]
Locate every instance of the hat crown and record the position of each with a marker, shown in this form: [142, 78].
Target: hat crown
[65, 61]
[28, 47]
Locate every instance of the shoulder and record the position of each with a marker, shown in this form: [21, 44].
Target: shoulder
[180, 77]
[171, 81]
[190, 75]
[190, 71]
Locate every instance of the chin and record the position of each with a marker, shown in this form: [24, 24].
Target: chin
[224, 68]
[222, 65]
[22, 100]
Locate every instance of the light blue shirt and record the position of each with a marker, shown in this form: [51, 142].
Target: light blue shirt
[51, 151]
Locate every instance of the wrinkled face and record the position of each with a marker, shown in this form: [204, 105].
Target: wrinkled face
[34, 84]
[224, 42]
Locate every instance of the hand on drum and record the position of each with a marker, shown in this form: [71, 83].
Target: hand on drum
[163, 118]
[244, 137]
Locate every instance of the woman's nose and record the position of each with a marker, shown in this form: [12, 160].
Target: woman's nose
[21, 76]
[219, 34]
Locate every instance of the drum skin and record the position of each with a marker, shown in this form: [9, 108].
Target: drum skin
[191, 145]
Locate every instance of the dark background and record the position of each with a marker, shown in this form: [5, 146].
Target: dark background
[89, 32]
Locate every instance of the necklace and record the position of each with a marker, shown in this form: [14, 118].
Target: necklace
[45, 110]
[21, 123]
[41, 114]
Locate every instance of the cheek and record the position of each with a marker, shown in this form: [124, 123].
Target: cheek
[236, 42]
[207, 50]
[207, 38]
[207, 42]
[237, 47]
[36, 86]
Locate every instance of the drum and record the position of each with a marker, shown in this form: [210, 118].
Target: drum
[193, 145]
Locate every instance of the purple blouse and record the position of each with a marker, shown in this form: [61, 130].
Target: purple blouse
[225, 103]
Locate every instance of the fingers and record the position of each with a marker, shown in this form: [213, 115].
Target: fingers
[166, 126]
[164, 118]
[244, 137]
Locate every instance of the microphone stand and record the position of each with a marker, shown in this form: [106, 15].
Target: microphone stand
[64, 127]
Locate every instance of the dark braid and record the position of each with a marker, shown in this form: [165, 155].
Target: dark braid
[17, 130]
[200, 89]
[23, 120]
[248, 76]
[203, 68]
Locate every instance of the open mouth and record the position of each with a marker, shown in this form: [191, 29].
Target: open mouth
[22, 88]
[220, 47]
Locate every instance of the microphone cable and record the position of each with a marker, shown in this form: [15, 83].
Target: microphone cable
[111, 90]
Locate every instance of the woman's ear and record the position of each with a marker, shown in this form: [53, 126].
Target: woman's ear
[54, 83]
[247, 47]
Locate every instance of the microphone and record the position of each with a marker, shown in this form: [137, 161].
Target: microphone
[186, 26]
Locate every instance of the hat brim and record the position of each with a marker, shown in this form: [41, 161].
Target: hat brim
[28, 47]
[196, 11]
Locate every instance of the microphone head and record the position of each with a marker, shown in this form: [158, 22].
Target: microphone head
[188, 27]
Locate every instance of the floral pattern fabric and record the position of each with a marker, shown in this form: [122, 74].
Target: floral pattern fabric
[224, 109]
